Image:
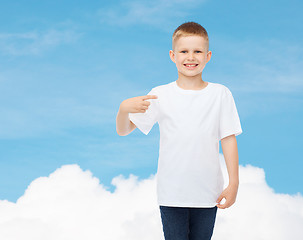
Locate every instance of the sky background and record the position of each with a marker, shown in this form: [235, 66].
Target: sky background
[65, 67]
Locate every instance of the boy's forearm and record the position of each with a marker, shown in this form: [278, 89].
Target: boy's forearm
[123, 124]
[230, 152]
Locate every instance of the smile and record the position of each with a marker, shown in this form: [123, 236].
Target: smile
[190, 66]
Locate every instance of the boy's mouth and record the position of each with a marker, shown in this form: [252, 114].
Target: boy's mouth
[190, 66]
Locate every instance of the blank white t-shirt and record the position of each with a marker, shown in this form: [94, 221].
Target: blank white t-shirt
[191, 123]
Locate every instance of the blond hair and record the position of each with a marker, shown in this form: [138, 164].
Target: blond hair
[190, 29]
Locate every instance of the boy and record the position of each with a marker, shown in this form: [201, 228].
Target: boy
[193, 116]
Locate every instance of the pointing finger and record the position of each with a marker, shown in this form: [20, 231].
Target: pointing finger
[150, 97]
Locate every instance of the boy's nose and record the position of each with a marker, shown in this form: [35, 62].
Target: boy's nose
[190, 55]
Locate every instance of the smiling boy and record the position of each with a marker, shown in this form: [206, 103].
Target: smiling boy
[193, 116]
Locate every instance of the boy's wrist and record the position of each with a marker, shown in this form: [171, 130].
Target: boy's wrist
[234, 182]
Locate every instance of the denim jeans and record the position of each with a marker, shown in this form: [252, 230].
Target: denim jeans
[188, 223]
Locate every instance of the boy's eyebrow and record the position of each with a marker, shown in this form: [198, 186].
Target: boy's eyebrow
[183, 49]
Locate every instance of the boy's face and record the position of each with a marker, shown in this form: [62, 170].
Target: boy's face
[190, 55]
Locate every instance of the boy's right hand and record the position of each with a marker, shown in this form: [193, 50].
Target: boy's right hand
[136, 104]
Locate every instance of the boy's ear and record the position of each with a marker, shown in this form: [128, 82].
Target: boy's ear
[209, 55]
[172, 56]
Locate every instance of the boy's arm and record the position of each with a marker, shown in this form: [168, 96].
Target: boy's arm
[230, 152]
[132, 105]
[123, 125]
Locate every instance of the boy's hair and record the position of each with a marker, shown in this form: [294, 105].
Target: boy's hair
[190, 29]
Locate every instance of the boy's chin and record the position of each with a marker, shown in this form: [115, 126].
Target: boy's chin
[189, 75]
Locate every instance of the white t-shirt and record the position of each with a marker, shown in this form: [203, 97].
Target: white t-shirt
[191, 123]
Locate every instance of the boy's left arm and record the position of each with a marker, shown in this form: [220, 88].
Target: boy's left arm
[230, 152]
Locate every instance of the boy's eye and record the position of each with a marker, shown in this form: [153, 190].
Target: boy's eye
[196, 51]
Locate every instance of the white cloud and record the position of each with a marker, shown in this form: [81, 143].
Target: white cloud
[259, 66]
[265, 80]
[33, 118]
[33, 42]
[157, 13]
[40, 103]
[72, 204]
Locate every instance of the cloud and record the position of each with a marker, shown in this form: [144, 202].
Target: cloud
[258, 66]
[255, 70]
[156, 13]
[34, 118]
[72, 204]
[34, 42]
[39, 102]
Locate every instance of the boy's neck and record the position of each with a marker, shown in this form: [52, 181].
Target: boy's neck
[191, 83]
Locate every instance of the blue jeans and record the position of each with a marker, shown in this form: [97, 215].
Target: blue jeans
[188, 223]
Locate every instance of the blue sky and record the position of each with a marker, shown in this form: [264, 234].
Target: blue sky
[66, 66]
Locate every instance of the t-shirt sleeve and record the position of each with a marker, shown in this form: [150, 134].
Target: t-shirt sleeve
[229, 118]
[145, 121]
